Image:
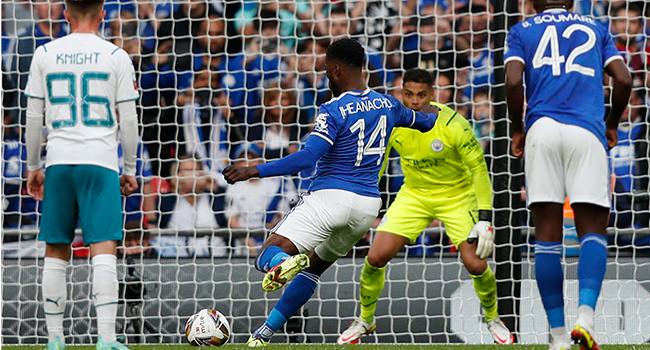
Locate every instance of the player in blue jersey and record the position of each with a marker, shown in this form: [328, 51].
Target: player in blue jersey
[349, 142]
[563, 56]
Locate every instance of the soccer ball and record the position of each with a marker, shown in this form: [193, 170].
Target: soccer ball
[207, 328]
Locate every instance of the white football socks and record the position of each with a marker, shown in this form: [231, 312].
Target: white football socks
[586, 316]
[560, 335]
[54, 296]
[104, 294]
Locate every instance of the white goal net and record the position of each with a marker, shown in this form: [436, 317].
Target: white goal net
[223, 82]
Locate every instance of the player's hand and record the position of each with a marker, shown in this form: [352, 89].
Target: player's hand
[517, 147]
[128, 184]
[35, 181]
[612, 138]
[483, 232]
[430, 109]
[235, 173]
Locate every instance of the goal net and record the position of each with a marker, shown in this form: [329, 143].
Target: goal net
[225, 82]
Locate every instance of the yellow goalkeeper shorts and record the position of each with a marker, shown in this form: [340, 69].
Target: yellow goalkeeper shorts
[412, 212]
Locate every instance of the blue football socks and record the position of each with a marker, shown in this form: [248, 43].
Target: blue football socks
[297, 293]
[270, 257]
[591, 267]
[550, 279]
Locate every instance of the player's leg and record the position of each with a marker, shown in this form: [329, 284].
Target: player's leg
[344, 218]
[588, 181]
[404, 221]
[100, 217]
[545, 171]
[385, 246]
[297, 294]
[58, 223]
[459, 215]
[591, 223]
[548, 218]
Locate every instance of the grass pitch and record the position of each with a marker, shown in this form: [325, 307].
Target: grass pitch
[339, 347]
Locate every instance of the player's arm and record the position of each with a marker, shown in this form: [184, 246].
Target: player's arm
[384, 165]
[622, 85]
[314, 149]
[515, 101]
[129, 140]
[515, 66]
[33, 138]
[35, 90]
[472, 156]
[423, 121]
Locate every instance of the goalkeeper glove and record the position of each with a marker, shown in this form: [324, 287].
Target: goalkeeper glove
[483, 232]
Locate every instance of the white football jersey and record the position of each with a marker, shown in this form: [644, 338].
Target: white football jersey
[82, 78]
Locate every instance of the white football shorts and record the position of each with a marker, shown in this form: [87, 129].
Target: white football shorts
[563, 160]
[330, 222]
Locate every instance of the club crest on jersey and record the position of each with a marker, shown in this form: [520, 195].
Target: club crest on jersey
[383, 221]
[436, 145]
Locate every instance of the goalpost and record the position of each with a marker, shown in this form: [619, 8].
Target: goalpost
[428, 296]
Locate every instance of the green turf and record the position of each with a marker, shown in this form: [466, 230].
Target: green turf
[337, 347]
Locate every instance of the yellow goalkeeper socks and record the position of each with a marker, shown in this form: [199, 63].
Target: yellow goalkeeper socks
[486, 289]
[372, 283]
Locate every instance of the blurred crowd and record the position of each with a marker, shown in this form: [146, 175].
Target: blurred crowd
[227, 81]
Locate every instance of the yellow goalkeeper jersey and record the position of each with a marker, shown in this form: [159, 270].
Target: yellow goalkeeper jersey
[447, 161]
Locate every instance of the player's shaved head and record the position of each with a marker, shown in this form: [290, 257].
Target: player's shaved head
[542, 5]
[348, 52]
[84, 9]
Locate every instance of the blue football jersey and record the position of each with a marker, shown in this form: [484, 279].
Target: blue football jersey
[358, 126]
[564, 54]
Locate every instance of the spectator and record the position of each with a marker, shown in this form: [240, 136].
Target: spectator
[473, 24]
[258, 203]
[226, 69]
[14, 158]
[136, 242]
[627, 29]
[624, 161]
[48, 26]
[436, 48]
[141, 204]
[149, 14]
[312, 84]
[378, 20]
[279, 134]
[265, 59]
[293, 16]
[200, 125]
[190, 205]
[482, 115]
[444, 90]
[342, 26]
[179, 32]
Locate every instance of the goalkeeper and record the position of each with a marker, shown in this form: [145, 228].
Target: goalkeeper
[445, 178]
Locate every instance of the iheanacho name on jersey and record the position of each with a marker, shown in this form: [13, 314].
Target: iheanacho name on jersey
[365, 106]
[78, 58]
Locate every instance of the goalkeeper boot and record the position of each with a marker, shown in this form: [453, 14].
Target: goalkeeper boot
[500, 333]
[284, 272]
[562, 342]
[582, 335]
[357, 329]
[55, 344]
[260, 337]
[115, 345]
